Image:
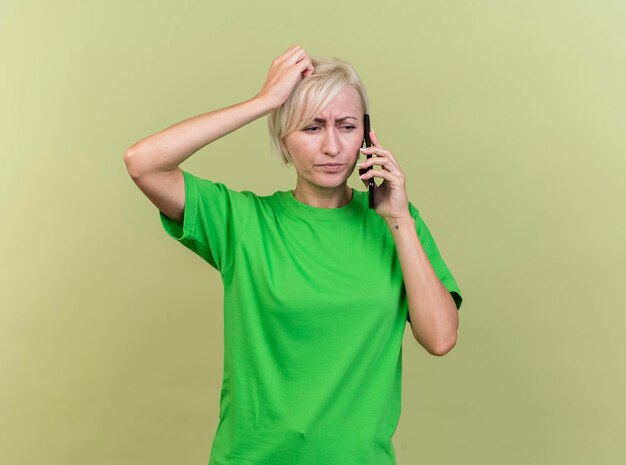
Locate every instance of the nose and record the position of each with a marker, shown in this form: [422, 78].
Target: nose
[331, 143]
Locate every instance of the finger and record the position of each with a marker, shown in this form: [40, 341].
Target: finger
[306, 65]
[375, 161]
[374, 138]
[287, 53]
[375, 150]
[298, 55]
[382, 152]
[386, 164]
[292, 55]
[310, 67]
[366, 183]
[379, 174]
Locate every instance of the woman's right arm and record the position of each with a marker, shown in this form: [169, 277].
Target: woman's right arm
[153, 162]
[168, 148]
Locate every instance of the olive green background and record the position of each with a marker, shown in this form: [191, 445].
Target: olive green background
[508, 120]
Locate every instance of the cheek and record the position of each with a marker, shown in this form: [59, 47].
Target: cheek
[297, 144]
[357, 135]
[305, 148]
[356, 141]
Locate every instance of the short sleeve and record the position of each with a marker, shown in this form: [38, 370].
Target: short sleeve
[430, 247]
[214, 220]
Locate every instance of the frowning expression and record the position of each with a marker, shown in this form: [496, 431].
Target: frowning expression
[334, 137]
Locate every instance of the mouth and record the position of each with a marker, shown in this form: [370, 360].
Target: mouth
[332, 167]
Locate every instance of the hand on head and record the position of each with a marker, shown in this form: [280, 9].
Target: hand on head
[285, 72]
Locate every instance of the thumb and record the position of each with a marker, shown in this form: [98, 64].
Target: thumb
[308, 67]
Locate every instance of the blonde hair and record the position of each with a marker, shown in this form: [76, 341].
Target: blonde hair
[310, 96]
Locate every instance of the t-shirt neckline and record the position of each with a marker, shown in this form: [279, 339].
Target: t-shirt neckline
[302, 210]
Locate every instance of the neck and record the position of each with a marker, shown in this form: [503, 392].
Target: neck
[337, 198]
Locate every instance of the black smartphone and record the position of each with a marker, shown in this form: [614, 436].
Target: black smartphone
[368, 143]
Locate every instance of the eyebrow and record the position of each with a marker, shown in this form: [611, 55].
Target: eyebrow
[322, 120]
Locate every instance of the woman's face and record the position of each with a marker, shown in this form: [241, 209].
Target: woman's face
[335, 137]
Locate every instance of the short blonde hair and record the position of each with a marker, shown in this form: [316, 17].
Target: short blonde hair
[310, 96]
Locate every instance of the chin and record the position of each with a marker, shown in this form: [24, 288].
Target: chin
[333, 185]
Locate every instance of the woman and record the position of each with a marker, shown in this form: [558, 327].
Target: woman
[317, 287]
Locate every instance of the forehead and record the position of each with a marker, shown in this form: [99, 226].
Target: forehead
[347, 101]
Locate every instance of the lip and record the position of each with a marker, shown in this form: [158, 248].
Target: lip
[331, 167]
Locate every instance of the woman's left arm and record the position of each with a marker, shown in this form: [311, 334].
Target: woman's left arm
[433, 313]
[434, 316]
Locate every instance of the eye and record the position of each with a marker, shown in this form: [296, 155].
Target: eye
[311, 127]
[350, 128]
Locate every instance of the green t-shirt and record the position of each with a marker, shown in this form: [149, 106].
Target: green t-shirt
[314, 314]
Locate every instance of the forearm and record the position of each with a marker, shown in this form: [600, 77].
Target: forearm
[433, 313]
[167, 149]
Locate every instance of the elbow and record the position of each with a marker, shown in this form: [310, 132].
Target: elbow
[442, 346]
[130, 160]
[441, 340]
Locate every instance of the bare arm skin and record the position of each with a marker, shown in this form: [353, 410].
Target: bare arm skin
[167, 149]
[153, 162]
[434, 316]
